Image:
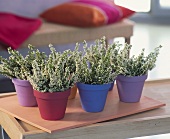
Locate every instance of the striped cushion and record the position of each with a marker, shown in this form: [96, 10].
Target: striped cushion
[86, 13]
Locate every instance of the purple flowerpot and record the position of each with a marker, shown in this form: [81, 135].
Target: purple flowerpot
[24, 92]
[130, 88]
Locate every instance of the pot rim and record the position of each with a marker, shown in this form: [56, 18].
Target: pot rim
[54, 95]
[93, 87]
[132, 78]
[21, 82]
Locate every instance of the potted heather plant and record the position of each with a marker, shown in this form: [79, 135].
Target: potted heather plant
[72, 65]
[94, 75]
[133, 73]
[17, 68]
[114, 49]
[52, 80]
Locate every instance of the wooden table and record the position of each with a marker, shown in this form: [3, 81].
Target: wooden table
[147, 123]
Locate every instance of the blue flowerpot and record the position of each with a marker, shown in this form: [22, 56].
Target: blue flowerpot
[112, 85]
[93, 97]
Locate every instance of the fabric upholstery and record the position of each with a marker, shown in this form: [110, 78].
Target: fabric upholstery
[86, 13]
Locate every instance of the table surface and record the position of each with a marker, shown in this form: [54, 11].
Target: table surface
[146, 123]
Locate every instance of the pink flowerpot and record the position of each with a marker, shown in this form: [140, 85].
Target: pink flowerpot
[52, 106]
[24, 92]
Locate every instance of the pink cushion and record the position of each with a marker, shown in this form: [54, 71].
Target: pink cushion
[14, 30]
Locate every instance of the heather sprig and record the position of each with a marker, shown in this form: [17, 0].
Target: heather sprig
[56, 73]
[18, 66]
[93, 65]
[136, 65]
[11, 67]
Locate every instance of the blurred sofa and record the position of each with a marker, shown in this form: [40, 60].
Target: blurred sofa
[63, 35]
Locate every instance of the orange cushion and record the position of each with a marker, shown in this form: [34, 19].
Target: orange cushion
[86, 13]
[75, 15]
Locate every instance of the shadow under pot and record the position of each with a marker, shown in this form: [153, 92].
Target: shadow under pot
[130, 88]
[24, 92]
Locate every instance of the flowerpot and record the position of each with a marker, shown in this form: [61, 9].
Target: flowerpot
[93, 97]
[24, 92]
[130, 88]
[112, 85]
[52, 106]
[73, 92]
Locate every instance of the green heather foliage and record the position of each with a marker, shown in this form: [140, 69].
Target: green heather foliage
[17, 66]
[97, 64]
[135, 65]
[56, 73]
[114, 49]
[94, 65]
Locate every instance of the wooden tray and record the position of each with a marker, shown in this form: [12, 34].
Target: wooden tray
[75, 116]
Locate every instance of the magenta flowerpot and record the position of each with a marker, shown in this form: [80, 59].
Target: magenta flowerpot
[130, 88]
[24, 92]
[52, 106]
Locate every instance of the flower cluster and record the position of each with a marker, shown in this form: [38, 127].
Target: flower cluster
[135, 65]
[93, 65]
[97, 64]
[54, 74]
[17, 66]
